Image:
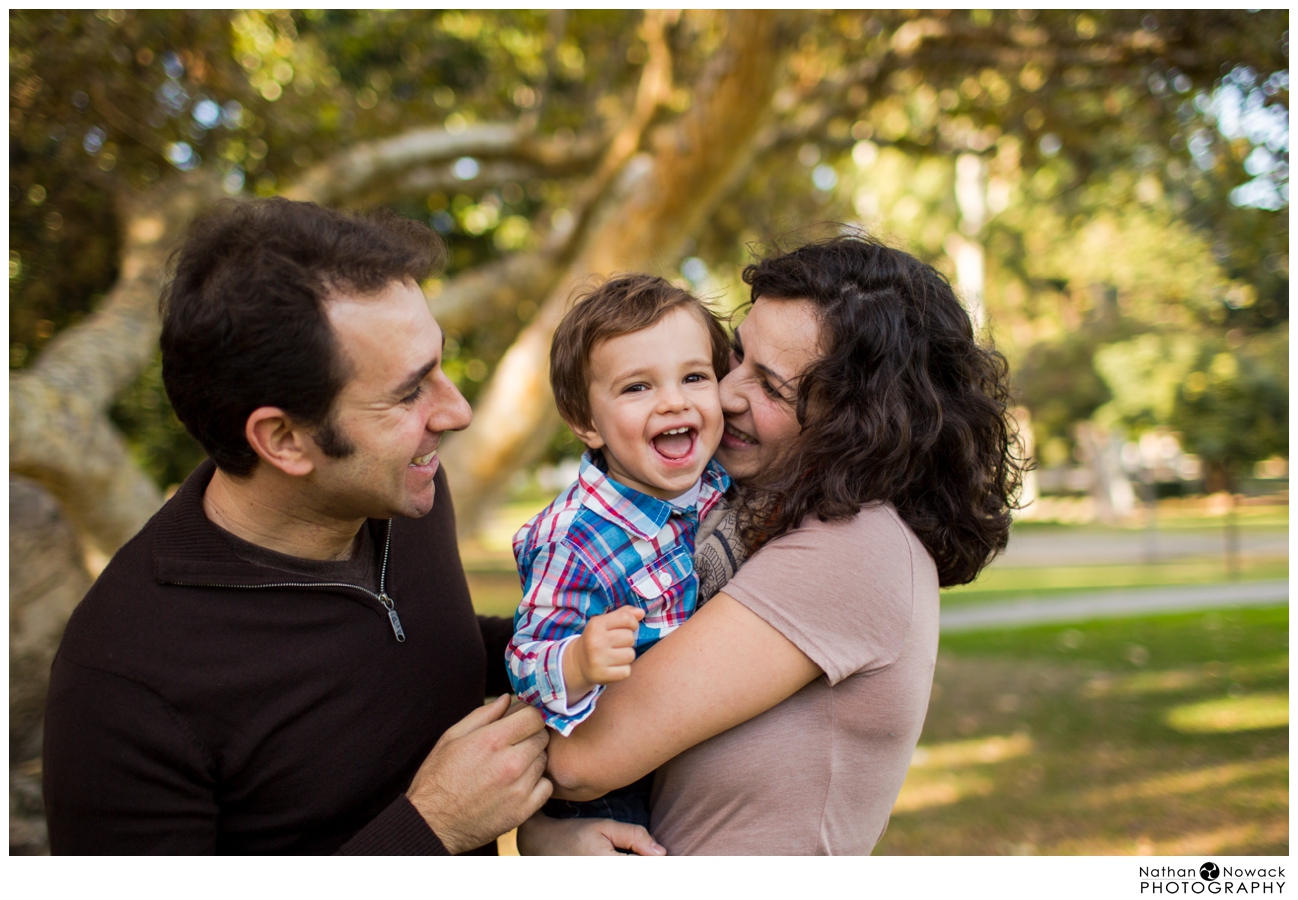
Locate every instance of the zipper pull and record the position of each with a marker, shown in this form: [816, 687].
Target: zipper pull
[392, 616]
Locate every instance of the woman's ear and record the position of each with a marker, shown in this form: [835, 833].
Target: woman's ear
[279, 440]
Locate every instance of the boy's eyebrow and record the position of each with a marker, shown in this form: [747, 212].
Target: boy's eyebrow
[644, 370]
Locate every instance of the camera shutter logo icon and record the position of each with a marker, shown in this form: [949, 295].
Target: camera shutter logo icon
[1209, 871]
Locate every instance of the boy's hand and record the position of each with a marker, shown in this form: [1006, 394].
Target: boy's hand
[603, 653]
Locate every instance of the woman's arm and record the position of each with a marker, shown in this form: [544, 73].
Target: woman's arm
[722, 667]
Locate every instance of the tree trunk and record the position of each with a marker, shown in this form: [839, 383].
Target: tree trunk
[47, 579]
[660, 199]
[59, 431]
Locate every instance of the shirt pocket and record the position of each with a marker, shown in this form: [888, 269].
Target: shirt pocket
[663, 588]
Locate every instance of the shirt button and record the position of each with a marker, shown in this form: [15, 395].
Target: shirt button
[667, 579]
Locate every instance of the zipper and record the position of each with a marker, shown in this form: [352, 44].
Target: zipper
[382, 596]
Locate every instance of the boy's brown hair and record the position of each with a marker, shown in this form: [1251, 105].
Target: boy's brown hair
[618, 306]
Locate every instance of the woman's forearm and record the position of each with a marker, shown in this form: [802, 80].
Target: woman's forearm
[722, 667]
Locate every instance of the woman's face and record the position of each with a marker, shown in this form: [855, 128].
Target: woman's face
[773, 347]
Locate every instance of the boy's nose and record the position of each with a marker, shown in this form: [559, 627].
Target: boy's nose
[672, 398]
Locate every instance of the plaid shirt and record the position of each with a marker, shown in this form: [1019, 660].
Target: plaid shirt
[599, 546]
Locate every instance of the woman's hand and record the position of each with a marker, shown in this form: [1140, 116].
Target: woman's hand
[543, 836]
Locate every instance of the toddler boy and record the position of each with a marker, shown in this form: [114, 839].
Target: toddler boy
[607, 568]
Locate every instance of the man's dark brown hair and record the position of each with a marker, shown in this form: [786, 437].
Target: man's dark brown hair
[244, 322]
[618, 306]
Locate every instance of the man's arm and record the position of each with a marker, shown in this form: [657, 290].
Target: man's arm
[496, 634]
[121, 773]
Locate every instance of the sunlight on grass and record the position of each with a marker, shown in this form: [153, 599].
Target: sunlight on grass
[1083, 760]
[935, 778]
[1174, 681]
[1195, 781]
[1229, 714]
[969, 753]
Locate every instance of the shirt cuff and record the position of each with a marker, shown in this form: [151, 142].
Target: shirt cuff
[559, 703]
[397, 831]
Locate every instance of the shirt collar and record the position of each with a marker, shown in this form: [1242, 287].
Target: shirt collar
[637, 513]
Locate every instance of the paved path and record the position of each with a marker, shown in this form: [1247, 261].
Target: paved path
[1081, 548]
[1112, 605]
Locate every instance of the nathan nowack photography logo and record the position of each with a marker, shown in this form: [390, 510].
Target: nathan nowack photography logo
[1211, 878]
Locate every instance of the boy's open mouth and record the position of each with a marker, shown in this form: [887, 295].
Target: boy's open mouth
[675, 443]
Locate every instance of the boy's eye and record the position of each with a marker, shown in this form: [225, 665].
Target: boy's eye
[635, 388]
[696, 377]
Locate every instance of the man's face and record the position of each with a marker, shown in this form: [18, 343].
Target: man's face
[393, 410]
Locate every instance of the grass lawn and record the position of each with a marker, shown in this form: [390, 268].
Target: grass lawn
[1007, 583]
[1165, 735]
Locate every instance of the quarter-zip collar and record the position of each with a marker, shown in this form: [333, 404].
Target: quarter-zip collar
[190, 551]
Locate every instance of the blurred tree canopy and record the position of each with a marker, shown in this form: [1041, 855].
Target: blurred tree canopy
[1131, 205]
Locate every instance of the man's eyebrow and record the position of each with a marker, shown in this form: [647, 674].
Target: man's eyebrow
[415, 378]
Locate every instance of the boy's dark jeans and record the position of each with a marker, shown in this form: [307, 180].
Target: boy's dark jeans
[625, 804]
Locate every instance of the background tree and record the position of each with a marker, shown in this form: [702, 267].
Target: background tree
[1126, 175]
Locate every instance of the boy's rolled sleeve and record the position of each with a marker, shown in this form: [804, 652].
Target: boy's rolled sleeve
[560, 594]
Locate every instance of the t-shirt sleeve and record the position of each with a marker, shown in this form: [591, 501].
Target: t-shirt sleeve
[841, 592]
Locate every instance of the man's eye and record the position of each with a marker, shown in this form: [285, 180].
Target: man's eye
[772, 392]
[413, 395]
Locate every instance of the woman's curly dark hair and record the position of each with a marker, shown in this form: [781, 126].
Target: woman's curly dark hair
[905, 406]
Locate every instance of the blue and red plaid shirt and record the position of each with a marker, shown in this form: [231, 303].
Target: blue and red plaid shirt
[600, 546]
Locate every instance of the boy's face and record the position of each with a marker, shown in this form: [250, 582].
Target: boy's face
[654, 405]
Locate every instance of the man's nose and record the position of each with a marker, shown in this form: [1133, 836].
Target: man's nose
[451, 412]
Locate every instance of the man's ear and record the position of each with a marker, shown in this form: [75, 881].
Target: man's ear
[279, 440]
[587, 434]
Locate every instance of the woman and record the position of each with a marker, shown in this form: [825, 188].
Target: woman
[872, 438]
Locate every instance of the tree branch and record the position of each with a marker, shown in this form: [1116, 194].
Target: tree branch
[655, 203]
[359, 169]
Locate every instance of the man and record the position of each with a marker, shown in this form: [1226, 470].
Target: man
[285, 659]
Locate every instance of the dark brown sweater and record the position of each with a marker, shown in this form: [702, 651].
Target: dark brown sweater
[199, 705]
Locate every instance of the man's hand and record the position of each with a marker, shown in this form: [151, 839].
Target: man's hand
[602, 653]
[543, 836]
[484, 776]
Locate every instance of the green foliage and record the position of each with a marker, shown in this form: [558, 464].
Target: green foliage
[159, 443]
[1233, 406]
[1113, 187]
